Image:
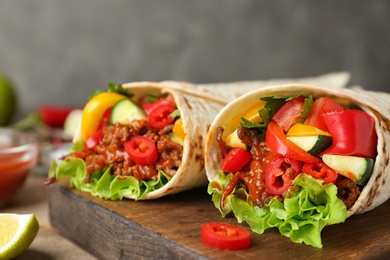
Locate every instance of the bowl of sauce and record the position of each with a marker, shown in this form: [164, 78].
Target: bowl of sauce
[18, 155]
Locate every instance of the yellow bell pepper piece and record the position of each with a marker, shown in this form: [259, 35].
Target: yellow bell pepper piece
[94, 110]
[178, 129]
[299, 129]
[253, 113]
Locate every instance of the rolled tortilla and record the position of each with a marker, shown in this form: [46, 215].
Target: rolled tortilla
[196, 111]
[232, 90]
[376, 190]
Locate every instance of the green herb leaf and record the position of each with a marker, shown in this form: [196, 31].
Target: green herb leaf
[272, 105]
[118, 88]
[152, 98]
[307, 106]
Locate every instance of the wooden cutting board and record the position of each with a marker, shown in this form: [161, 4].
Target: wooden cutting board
[169, 228]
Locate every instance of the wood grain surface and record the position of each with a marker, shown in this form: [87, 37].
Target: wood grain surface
[169, 228]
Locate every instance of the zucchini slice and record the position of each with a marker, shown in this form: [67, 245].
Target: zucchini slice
[314, 145]
[126, 111]
[358, 169]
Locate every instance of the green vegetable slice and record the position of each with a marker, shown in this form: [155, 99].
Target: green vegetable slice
[103, 184]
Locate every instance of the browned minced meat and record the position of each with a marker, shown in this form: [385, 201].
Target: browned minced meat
[252, 176]
[111, 152]
[221, 142]
[348, 191]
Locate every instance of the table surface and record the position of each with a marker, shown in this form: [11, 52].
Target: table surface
[48, 244]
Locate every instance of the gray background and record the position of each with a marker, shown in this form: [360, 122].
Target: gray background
[57, 52]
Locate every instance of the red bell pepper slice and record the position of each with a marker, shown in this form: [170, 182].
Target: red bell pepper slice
[142, 150]
[320, 106]
[105, 117]
[289, 113]
[235, 159]
[321, 171]
[149, 107]
[277, 141]
[225, 236]
[280, 174]
[94, 140]
[353, 133]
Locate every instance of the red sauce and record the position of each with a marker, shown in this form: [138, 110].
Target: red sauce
[13, 173]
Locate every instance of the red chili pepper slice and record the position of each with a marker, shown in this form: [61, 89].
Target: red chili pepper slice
[235, 159]
[225, 236]
[93, 140]
[289, 113]
[142, 150]
[160, 116]
[280, 174]
[277, 141]
[353, 133]
[321, 171]
[320, 106]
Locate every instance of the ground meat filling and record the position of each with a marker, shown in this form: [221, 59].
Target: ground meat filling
[111, 152]
[252, 176]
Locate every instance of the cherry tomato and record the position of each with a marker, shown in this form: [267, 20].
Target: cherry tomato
[235, 159]
[280, 174]
[142, 150]
[54, 116]
[160, 116]
[321, 171]
[277, 141]
[93, 140]
[353, 133]
[225, 236]
[320, 106]
[289, 113]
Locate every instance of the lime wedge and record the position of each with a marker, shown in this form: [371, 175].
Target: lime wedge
[17, 231]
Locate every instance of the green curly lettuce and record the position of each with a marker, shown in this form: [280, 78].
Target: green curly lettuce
[103, 184]
[308, 207]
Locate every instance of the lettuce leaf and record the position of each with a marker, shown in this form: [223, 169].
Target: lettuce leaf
[103, 184]
[308, 207]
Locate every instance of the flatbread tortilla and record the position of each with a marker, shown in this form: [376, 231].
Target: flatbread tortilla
[377, 190]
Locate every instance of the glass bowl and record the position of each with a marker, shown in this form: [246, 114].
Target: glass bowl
[18, 155]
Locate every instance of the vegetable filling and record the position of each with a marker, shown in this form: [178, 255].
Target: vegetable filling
[298, 165]
[126, 147]
[111, 151]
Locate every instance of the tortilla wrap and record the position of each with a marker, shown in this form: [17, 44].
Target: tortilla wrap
[197, 108]
[231, 91]
[375, 192]
[196, 112]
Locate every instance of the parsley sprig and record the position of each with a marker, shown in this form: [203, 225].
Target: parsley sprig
[112, 87]
[272, 105]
